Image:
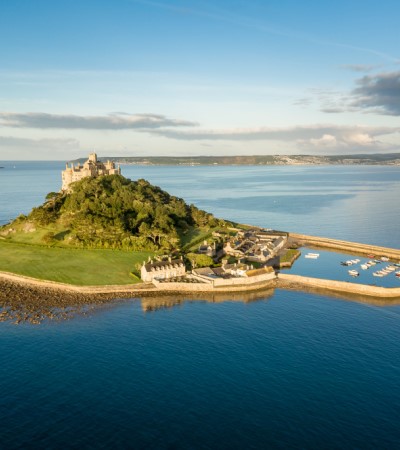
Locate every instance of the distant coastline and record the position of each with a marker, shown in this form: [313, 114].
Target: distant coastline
[386, 159]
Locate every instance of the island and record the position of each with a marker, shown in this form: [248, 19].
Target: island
[103, 236]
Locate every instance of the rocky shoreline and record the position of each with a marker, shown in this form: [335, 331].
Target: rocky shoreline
[25, 299]
[27, 303]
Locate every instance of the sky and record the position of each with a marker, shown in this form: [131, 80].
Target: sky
[198, 77]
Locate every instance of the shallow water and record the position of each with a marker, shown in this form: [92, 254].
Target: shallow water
[291, 370]
[328, 266]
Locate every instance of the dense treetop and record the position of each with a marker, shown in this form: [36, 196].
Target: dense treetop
[113, 211]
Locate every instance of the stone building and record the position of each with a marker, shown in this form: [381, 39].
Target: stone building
[91, 168]
[256, 245]
[162, 270]
[207, 249]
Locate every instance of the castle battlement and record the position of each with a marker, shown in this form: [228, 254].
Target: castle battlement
[91, 168]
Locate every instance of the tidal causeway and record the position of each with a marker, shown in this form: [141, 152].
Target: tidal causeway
[28, 299]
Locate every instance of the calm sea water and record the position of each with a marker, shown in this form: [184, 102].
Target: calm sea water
[291, 370]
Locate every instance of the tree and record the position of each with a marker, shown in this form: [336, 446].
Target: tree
[198, 260]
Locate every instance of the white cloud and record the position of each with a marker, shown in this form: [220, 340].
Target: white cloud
[116, 121]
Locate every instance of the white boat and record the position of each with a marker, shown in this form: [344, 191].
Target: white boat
[353, 273]
[364, 266]
[378, 274]
[312, 255]
[384, 258]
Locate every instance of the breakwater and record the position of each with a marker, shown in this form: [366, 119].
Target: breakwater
[293, 281]
[345, 246]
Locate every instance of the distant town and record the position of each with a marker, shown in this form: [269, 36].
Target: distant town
[388, 159]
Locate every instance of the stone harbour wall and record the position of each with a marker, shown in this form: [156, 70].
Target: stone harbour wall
[220, 284]
[346, 246]
[337, 286]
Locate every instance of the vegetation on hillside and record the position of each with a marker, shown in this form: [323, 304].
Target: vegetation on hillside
[115, 212]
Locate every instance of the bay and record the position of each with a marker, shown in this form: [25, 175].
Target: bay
[291, 370]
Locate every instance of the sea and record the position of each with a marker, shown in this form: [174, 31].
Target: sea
[283, 369]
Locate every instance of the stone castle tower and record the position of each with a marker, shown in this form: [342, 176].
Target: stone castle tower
[91, 168]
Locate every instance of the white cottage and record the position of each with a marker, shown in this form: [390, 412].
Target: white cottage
[162, 270]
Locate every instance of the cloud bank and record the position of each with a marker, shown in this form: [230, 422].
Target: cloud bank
[311, 137]
[318, 138]
[117, 121]
[378, 93]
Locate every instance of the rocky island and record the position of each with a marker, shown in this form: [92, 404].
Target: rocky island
[104, 236]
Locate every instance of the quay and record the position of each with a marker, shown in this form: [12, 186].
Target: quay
[293, 282]
[345, 246]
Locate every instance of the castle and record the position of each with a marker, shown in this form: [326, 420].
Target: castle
[91, 168]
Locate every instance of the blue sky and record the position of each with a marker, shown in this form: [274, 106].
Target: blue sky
[144, 77]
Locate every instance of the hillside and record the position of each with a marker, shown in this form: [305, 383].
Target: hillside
[111, 212]
[268, 160]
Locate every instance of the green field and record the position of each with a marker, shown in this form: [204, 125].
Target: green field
[74, 266]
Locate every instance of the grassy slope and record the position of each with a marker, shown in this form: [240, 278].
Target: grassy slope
[194, 236]
[74, 266]
[25, 253]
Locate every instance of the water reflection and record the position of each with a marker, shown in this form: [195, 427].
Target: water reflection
[44, 308]
[170, 301]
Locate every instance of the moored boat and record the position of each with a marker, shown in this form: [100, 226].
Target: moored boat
[353, 273]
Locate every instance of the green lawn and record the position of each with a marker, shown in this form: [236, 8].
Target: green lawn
[74, 266]
[289, 255]
[194, 237]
